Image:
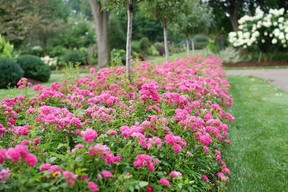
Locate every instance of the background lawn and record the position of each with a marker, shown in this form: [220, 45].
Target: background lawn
[258, 156]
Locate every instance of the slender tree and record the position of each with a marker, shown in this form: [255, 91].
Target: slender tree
[194, 18]
[130, 6]
[101, 16]
[167, 11]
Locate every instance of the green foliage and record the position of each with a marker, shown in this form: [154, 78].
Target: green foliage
[74, 57]
[78, 33]
[116, 33]
[34, 67]
[195, 18]
[160, 48]
[117, 57]
[144, 45]
[135, 46]
[230, 55]
[164, 10]
[10, 72]
[6, 49]
[200, 41]
[212, 46]
[153, 51]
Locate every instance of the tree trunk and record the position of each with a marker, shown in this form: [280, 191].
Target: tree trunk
[234, 13]
[164, 25]
[129, 39]
[187, 45]
[101, 25]
[193, 48]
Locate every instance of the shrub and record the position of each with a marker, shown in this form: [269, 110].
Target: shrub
[135, 46]
[268, 32]
[6, 49]
[34, 67]
[144, 45]
[160, 48]
[75, 57]
[117, 57]
[153, 51]
[200, 41]
[230, 55]
[10, 72]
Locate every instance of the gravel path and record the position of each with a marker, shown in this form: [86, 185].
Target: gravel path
[278, 77]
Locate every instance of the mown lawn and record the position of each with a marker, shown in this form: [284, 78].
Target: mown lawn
[8, 93]
[258, 156]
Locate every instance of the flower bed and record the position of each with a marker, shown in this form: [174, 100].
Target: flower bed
[164, 131]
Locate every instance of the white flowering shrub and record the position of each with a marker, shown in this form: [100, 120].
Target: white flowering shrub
[266, 31]
[52, 62]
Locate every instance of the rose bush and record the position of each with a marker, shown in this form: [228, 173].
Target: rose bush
[164, 131]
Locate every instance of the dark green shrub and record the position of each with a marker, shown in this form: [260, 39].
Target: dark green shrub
[10, 72]
[34, 67]
[75, 57]
[135, 46]
[160, 48]
[200, 41]
[144, 45]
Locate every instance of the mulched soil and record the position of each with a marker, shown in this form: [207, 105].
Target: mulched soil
[256, 64]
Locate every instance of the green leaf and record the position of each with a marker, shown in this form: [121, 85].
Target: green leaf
[143, 184]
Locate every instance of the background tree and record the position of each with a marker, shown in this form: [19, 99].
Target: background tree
[166, 11]
[229, 11]
[101, 16]
[195, 18]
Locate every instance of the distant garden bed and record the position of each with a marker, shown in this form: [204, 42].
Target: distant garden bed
[256, 64]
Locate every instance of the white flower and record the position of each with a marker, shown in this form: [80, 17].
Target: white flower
[274, 41]
[281, 19]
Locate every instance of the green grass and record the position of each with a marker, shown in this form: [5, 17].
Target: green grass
[160, 59]
[8, 93]
[258, 156]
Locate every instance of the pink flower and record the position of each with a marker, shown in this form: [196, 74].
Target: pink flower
[45, 166]
[206, 149]
[144, 160]
[92, 186]
[107, 174]
[13, 154]
[4, 174]
[89, 135]
[92, 70]
[205, 178]
[177, 148]
[112, 132]
[31, 159]
[226, 170]
[149, 188]
[54, 168]
[69, 175]
[70, 182]
[175, 174]
[164, 182]
[2, 155]
[37, 140]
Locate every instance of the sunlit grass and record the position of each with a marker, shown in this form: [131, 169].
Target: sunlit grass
[258, 156]
[8, 93]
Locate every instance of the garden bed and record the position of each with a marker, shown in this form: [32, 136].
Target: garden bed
[163, 131]
[257, 64]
